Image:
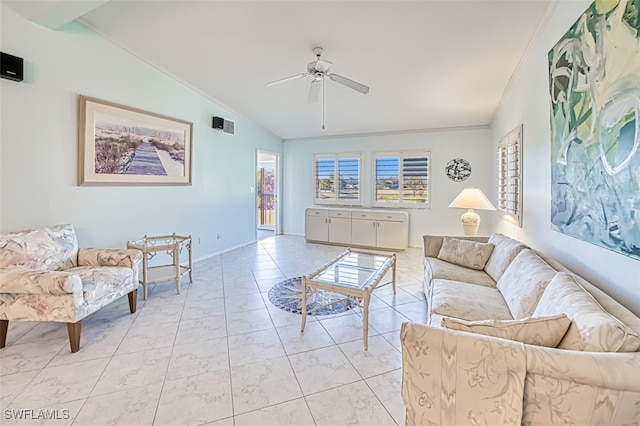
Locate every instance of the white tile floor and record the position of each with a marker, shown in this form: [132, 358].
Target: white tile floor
[219, 353]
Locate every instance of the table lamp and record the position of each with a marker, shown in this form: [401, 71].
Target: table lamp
[471, 199]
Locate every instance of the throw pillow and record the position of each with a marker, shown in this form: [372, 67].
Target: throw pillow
[470, 254]
[543, 331]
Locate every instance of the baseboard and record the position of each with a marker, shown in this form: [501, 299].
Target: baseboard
[214, 254]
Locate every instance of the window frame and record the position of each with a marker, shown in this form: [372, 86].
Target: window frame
[336, 157]
[514, 167]
[401, 155]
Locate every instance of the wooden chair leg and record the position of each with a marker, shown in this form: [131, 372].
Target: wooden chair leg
[74, 335]
[4, 326]
[133, 300]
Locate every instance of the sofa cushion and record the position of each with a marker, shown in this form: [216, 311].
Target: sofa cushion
[50, 248]
[524, 281]
[592, 329]
[506, 249]
[439, 269]
[543, 331]
[610, 305]
[470, 254]
[98, 282]
[467, 301]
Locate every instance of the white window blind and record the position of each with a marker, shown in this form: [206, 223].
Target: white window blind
[337, 179]
[401, 179]
[510, 176]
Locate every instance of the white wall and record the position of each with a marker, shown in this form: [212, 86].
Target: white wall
[470, 144]
[38, 142]
[527, 102]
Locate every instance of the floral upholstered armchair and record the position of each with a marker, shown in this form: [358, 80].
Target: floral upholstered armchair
[44, 276]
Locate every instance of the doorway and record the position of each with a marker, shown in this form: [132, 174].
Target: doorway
[267, 195]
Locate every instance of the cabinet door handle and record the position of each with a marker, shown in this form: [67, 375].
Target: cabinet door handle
[374, 224]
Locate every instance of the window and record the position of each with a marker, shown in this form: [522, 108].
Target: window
[401, 179]
[337, 179]
[510, 176]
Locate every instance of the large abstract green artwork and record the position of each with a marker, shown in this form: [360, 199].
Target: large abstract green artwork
[594, 82]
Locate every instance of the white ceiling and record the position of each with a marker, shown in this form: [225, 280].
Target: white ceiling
[430, 64]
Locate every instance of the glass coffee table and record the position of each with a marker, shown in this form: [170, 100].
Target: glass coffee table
[354, 274]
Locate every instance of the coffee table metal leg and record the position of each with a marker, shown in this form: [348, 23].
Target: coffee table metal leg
[304, 304]
[365, 320]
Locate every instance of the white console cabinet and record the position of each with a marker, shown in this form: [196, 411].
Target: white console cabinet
[358, 227]
[378, 229]
[328, 226]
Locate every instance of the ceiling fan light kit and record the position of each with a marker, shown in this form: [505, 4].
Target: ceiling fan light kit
[319, 69]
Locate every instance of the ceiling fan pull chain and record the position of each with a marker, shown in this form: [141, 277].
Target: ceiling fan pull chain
[323, 95]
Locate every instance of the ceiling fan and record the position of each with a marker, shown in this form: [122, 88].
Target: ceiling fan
[319, 69]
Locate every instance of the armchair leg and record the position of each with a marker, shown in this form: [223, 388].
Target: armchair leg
[4, 326]
[74, 335]
[133, 300]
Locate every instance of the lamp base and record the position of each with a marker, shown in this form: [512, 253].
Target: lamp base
[470, 222]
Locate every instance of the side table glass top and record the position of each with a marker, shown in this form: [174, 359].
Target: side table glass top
[159, 242]
[353, 270]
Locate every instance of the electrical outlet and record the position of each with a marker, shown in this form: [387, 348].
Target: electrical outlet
[200, 240]
[218, 235]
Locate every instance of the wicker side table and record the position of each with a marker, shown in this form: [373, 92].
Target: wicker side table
[173, 245]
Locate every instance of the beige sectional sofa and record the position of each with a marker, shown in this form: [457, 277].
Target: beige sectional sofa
[514, 338]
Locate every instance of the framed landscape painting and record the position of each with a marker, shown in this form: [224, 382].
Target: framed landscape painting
[119, 145]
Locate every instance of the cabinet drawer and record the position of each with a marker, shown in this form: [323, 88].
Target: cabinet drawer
[339, 213]
[395, 217]
[317, 212]
[364, 215]
[392, 216]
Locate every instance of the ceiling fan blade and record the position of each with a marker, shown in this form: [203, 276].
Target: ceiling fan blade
[283, 80]
[314, 91]
[349, 83]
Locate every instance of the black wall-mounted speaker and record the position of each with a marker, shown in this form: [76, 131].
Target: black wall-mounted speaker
[11, 67]
[218, 122]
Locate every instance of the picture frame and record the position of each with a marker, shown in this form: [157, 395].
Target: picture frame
[121, 145]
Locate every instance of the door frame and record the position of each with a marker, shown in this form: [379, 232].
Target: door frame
[277, 227]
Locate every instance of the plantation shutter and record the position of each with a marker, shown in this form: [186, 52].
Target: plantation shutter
[349, 178]
[325, 183]
[336, 179]
[510, 175]
[402, 179]
[415, 179]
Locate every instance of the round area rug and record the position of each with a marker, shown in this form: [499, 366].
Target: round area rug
[287, 295]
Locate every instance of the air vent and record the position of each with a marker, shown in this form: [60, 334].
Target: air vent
[229, 127]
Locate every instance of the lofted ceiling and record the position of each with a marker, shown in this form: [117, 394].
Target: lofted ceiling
[429, 64]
